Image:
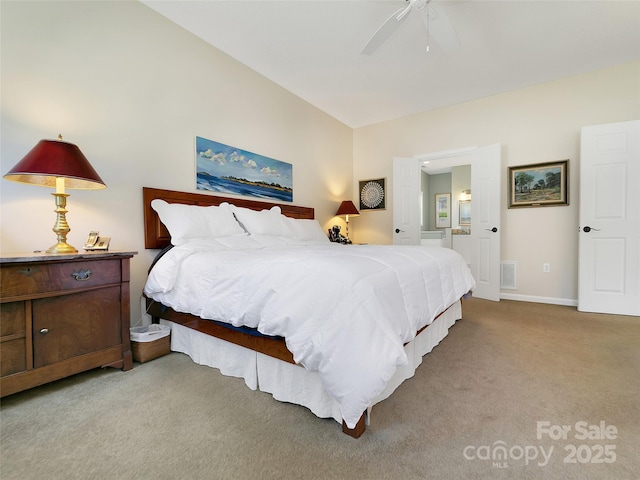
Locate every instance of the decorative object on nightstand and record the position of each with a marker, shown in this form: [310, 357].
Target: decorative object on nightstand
[347, 208]
[54, 163]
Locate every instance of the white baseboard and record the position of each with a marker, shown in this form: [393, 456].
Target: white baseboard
[567, 302]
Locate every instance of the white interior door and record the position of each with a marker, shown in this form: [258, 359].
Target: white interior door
[609, 238]
[406, 201]
[485, 211]
[485, 221]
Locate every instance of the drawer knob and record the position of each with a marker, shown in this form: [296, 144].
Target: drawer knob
[44, 331]
[82, 275]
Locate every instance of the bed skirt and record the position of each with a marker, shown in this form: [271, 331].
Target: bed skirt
[291, 383]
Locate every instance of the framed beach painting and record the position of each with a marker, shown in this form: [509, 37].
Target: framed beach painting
[539, 185]
[224, 169]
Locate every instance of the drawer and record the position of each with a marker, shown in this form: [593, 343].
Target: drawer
[12, 319]
[13, 338]
[13, 356]
[33, 279]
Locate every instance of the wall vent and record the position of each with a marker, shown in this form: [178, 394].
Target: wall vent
[508, 273]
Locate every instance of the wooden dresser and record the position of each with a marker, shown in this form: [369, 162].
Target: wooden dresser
[61, 315]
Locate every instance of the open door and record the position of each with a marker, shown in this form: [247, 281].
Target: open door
[485, 214]
[609, 237]
[485, 221]
[406, 201]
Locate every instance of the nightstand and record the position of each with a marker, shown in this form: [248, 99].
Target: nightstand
[61, 315]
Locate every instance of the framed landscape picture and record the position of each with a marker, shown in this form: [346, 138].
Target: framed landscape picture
[539, 185]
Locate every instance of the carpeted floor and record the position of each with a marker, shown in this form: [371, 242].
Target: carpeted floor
[517, 390]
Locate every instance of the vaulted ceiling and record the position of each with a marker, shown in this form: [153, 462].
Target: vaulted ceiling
[477, 48]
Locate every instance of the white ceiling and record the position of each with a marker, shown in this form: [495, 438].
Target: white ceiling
[312, 48]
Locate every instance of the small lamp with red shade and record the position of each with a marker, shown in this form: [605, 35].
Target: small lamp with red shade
[60, 165]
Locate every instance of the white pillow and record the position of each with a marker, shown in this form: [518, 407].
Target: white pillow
[263, 222]
[186, 222]
[307, 230]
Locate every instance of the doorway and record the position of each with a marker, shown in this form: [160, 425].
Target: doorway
[485, 217]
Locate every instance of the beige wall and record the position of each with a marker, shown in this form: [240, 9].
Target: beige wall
[132, 90]
[536, 124]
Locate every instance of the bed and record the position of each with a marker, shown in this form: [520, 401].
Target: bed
[255, 290]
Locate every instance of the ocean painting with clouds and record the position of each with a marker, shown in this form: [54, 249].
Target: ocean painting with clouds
[224, 169]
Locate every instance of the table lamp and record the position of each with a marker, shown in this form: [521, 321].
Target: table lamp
[57, 164]
[347, 208]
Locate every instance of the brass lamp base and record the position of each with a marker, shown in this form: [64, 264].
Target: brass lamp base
[61, 227]
[61, 247]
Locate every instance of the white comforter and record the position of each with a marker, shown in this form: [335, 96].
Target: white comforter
[344, 311]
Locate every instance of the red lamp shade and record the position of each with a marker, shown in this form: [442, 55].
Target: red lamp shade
[347, 208]
[57, 164]
[54, 158]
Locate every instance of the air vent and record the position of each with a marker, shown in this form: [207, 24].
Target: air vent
[508, 271]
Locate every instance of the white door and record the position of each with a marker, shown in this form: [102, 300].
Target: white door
[406, 201]
[485, 221]
[485, 212]
[609, 237]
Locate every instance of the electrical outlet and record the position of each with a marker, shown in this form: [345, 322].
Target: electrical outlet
[546, 267]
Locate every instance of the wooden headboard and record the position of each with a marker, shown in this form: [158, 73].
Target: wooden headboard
[156, 234]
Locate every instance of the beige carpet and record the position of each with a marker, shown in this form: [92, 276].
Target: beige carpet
[505, 381]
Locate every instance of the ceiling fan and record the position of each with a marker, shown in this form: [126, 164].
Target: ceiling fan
[436, 21]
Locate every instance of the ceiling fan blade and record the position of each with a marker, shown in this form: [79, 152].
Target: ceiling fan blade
[390, 25]
[400, 14]
[441, 29]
